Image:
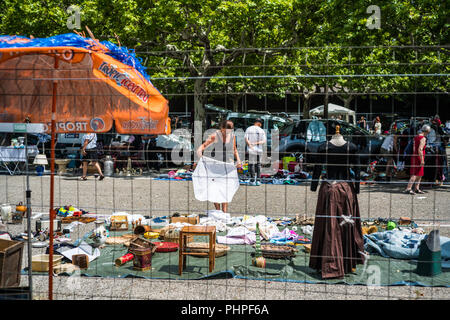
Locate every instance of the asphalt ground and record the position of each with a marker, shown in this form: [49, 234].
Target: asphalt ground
[146, 196]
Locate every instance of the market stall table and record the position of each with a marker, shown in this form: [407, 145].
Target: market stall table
[11, 157]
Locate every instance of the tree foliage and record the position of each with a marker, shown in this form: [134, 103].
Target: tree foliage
[219, 44]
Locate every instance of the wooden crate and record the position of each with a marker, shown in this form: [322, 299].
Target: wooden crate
[10, 263]
[80, 260]
[119, 223]
[191, 220]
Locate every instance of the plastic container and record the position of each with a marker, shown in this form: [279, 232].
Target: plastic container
[286, 161]
[159, 224]
[40, 262]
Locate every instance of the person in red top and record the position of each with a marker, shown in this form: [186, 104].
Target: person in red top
[418, 160]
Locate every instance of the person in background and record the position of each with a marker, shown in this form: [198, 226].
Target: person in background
[90, 154]
[389, 151]
[151, 156]
[362, 122]
[377, 126]
[255, 137]
[418, 161]
[226, 138]
[437, 140]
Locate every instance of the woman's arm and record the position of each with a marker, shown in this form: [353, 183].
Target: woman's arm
[236, 153]
[208, 141]
[421, 155]
[83, 148]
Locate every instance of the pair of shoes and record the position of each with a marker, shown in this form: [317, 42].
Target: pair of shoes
[409, 192]
[83, 178]
[419, 191]
[258, 183]
[101, 177]
[252, 183]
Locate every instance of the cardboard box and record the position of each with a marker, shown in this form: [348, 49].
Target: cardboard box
[191, 220]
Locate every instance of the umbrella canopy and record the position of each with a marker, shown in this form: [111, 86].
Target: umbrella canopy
[334, 109]
[98, 84]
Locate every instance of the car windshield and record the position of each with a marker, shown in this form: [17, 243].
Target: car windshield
[286, 129]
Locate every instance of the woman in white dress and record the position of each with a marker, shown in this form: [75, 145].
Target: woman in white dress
[226, 153]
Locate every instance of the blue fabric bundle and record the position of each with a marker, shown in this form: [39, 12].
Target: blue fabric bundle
[122, 54]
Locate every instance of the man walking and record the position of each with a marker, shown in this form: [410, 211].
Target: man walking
[90, 154]
[255, 137]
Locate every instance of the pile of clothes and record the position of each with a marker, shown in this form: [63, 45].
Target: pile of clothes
[402, 244]
[181, 174]
[280, 178]
[242, 230]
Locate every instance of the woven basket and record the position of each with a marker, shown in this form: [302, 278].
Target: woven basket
[203, 247]
[173, 235]
[277, 251]
[122, 240]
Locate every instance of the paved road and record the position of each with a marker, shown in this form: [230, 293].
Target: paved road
[153, 197]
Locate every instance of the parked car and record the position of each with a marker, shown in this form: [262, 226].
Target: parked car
[296, 140]
[68, 143]
[245, 120]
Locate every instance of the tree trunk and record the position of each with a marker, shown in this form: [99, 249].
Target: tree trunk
[235, 100]
[346, 101]
[306, 105]
[199, 101]
[325, 103]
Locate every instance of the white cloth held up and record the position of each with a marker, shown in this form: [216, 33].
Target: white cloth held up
[215, 181]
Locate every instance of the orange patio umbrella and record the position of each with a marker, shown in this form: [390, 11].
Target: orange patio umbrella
[75, 84]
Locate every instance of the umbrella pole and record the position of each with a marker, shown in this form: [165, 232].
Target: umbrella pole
[52, 187]
[28, 196]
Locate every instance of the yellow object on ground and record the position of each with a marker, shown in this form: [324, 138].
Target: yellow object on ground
[151, 235]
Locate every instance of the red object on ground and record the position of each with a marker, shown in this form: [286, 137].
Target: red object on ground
[166, 246]
[124, 259]
[291, 166]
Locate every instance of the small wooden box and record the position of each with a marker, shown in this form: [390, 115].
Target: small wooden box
[140, 243]
[191, 220]
[119, 223]
[80, 260]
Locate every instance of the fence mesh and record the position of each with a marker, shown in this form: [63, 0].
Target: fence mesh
[155, 179]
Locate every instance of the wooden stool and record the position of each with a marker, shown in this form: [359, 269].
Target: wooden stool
[197, 231]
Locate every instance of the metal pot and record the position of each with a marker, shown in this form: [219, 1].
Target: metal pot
[21, 208]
